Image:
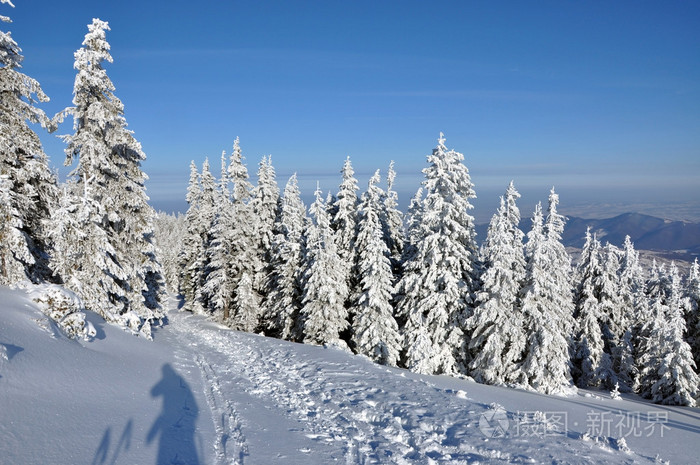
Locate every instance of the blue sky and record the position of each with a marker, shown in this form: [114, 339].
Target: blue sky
[600, 99]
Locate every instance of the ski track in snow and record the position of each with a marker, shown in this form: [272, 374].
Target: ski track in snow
[391, 419]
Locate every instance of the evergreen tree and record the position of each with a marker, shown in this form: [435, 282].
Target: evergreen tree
[86, 260]
[27, 186]
[14, 243]
[435, 292]
[392, 223]
[668, 376]
[344, 218]
[246, 315]
[192, 249]
[219, 286]
[323, 313]
[110, 157]
[284, 300]
[412, 220]
[208, 205]
[634, 302]
[375, 332]
[546, 366]
[265, 204]
[497, 336]
[692, 316]
[245, 254]
[592, 361]
[223, 180]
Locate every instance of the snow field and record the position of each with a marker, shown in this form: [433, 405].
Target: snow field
[201, 393]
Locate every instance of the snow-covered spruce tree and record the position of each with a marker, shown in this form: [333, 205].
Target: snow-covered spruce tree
[265, 204]
[592, 364]
[617, 317]
[375, 332]
[692, 316]
[562, 295]
[247, 306]
[29, 191]
[224, 190]
[412, 219]
[284, 299]
[668, 374]
[208, 206]
[245, 257]
[323, 316]
[635, 303]
[392, 223]
[110, 157]
[343, 210]
[435, 291]
[496, 331]
[86, 259]
[648, 352]
[219, 286]
[14, 243]
[546, 366]
[192, 248]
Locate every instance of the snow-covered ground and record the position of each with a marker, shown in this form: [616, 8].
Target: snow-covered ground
[203, 394]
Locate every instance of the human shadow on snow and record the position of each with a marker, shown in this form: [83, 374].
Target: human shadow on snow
[176, 425]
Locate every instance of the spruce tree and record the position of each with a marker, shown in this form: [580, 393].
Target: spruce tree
[192, 249]
[27, 185]
[375, 332]
[668, 376]
[245, 256]
[218, 283]
[208, 212]
[634, 301]
[323, 316]
[284, 300]
[592, 362]
[435, 292]
[265, 204]
[546, 366]
[497, 337]
[392, 222]
[86, 260]
[692, 316]
[109, 159]
[344, 218]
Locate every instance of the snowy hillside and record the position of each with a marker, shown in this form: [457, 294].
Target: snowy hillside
[201, 393]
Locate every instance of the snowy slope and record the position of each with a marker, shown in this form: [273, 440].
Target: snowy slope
[201, 393]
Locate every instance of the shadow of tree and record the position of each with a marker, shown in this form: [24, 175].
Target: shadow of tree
[175, 426]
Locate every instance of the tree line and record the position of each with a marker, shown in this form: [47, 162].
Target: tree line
[416, 291]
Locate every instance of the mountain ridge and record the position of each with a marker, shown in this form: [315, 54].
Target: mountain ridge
[647, 233]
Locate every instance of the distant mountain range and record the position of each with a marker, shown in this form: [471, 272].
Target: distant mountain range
[680, 239]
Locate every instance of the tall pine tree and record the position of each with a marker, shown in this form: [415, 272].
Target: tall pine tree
[27, 185]
[323, 316]
[435, 292]
[375, 332]
[284, 300]
[109, 159]
[496, 329]
[547, 306]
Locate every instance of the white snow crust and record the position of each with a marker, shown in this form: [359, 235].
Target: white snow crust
[200, 393]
